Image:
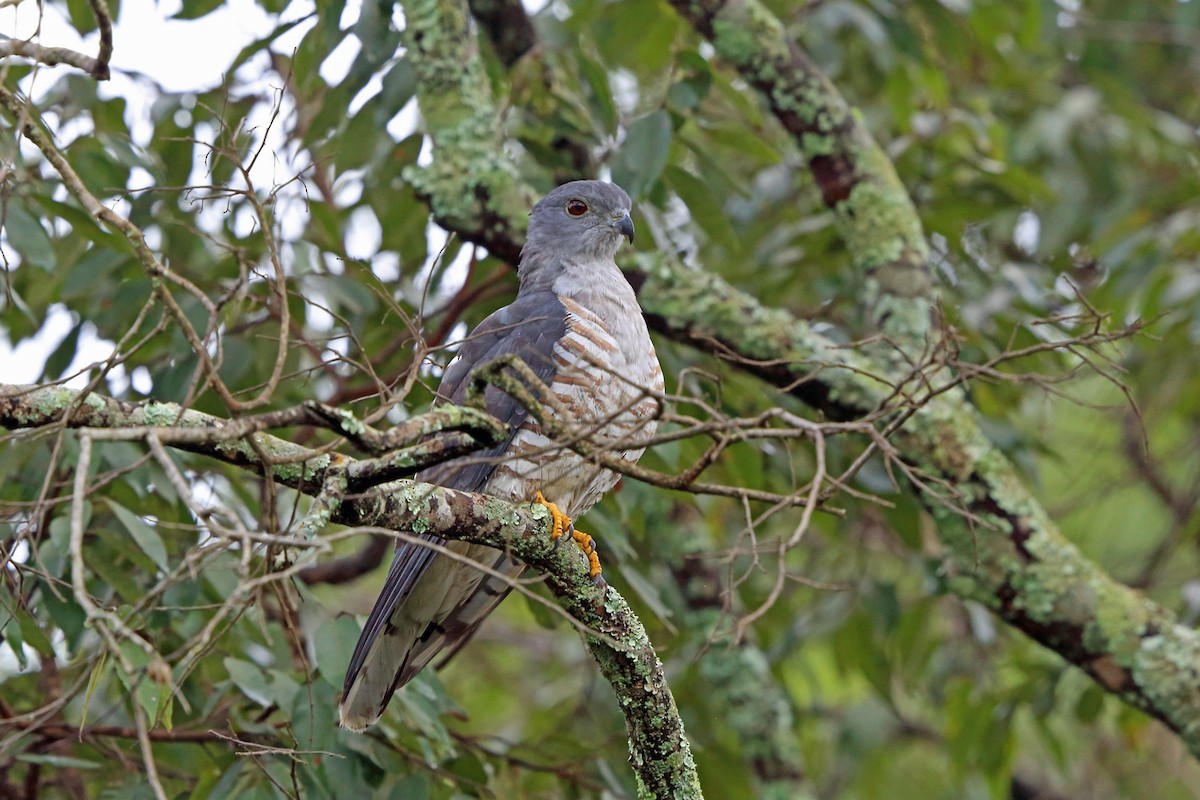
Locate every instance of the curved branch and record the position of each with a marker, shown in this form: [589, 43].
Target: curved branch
[471, 187]
[51, 56]
[1003, 548]
[242, 443]
[658, 749]
[858, 183]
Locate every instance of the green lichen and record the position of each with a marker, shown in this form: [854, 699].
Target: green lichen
[403, 459]
[471, 180]
[351, 424]
[292, 474]
[51, 402]
[160, 415]
[95, 403]
[747, 34]
[817, 144]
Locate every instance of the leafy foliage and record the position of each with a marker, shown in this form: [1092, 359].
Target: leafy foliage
[1052, 156]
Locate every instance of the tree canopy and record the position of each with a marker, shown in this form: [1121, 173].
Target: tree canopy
[921, 518]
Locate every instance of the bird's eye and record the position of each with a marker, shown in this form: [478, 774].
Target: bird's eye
[576, 208]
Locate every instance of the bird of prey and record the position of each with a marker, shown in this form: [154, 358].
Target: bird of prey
[576, 323]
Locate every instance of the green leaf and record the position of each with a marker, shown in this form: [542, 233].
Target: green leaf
[33, 634]
[195, 9]
[600, 98]
[643, 154]
[63, 354]
[690, 90]
[82, 18]
[28, 237]
[414, 787]
[704, 205]
[99, 670]
[645, 589]
[1090, 704]
[333, 642]
[156, 700]
[542, 614]
[143, 535]
[250, 679]
[67, 615]
[15, 639]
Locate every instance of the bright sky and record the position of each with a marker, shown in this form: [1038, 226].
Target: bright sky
[178, 55]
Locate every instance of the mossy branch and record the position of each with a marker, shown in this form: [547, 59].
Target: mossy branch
[874, 213]
[616, 638]
[1001, 546]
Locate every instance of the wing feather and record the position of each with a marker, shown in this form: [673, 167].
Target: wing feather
[404, 629]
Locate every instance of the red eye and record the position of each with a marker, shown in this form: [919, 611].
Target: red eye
[576, 208]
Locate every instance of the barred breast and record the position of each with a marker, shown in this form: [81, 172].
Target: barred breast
[607, 377]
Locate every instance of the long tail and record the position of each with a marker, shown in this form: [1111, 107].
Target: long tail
[427, 604]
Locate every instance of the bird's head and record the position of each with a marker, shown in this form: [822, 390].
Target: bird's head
[580, 221]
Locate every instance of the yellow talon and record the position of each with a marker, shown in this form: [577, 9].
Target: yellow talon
[563, 525]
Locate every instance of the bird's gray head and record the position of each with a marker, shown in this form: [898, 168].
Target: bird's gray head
[580, 222]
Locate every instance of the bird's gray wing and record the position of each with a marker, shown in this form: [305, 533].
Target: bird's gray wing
[529, 328]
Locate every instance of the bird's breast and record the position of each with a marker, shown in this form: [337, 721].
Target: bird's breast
[607, 379]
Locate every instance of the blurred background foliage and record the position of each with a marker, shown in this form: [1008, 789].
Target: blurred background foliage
[1051, 150]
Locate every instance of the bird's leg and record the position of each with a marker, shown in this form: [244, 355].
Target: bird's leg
[564, 526]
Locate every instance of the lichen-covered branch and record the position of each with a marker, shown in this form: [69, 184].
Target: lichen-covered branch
[1002, 547]
[874, 213]
[756, 708]
[242, 443]
[470, 186]
[658, 749]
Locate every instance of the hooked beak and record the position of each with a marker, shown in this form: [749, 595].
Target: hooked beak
[625, 226]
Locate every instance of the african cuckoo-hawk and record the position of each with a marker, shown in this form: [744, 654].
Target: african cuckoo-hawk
[576, 323]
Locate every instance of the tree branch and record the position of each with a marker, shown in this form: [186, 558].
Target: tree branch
[874, 214]
[51, 56]
[1002, 547]
[473, 189]
[240, 442]
[660, 754]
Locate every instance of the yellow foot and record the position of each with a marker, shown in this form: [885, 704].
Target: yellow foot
[564, 526]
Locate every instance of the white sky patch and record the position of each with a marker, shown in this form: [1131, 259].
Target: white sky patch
[372, 87]
[316, 316]
[154, 53]
[181, 55]
[425, 157]
[454, 274]
[140, 380]
[23, 363]
[624, 90]
[368, 234]
[386, 266]
[336, 65]
[1027, 232]
[349, 188]
[405, 121]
